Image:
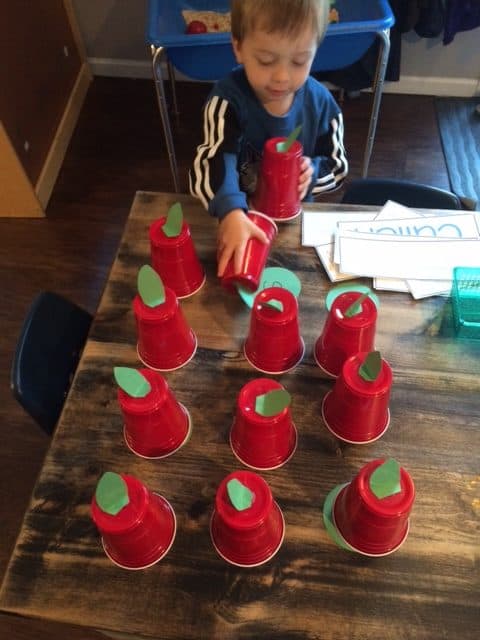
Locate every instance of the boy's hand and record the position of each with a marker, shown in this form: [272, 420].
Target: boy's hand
[306, 173]
[234, 231]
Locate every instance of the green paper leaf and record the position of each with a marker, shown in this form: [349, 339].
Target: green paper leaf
[283, 147]
[272, 403]
[111, 493]
[174, 221]
[356, 306]
[385, 480]
[349, 287]
[272, 277]
[240, 496]
[131, 381]
[150, 286]
[371, 367]
[274, 304]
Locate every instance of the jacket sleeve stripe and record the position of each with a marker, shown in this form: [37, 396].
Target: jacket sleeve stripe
[214, 135]
[338, 160]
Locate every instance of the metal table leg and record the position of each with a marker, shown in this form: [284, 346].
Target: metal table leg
[383, 53]
[158, 54]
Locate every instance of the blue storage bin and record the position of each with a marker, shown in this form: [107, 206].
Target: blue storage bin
[209, 56]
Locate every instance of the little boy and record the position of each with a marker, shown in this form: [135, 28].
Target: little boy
[269, 95]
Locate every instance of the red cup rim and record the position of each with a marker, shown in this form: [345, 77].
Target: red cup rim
[341, 437]
[271, 221]
[178, 366]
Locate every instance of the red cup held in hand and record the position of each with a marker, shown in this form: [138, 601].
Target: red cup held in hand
[254, 257]
[356, 410]
[372, 518]
[277, 192]
[247, 526]
[263, 437]
[345, 335]
[274, 344]
[137, 525]
[155, 423]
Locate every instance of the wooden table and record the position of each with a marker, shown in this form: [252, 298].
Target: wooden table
[312, 589]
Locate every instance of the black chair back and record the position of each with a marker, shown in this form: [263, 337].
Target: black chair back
[46, 356]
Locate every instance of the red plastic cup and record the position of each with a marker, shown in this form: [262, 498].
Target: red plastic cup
[343, 337]
[251, 537]
[142, 532]
[165, 340]
[277, 193]
[156, 425]
[175, 259]
[254, 258]
[274, 344]
[370, 525]
[262, 442]
[356, 410]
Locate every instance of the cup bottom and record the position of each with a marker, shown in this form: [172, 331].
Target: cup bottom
[329, 373]
[369, 554]
[273, 373]
[188, 295]
[190, 357]
[161, 552]
[165, 455]
[340, 437]
[283, 462]
[257, 562]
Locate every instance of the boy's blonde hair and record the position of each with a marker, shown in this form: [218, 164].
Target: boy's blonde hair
[288, 17]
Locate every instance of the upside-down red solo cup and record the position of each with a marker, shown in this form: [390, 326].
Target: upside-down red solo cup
[250, 537]
[371, 525]
[343, 336]
[356, 410]
[262, 442]
[165, 340]
[175, 259]
[277, 193]
[254, 257]
[274, 344]
[141, 533]
[156, 425]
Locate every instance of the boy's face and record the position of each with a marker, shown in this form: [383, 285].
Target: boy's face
[276, 65]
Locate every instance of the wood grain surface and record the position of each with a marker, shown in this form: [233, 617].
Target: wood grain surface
[311, 589]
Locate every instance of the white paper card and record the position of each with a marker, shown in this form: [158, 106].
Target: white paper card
[373, 255]
[318, 227]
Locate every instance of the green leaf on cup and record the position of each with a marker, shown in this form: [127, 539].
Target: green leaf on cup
[356, 306]
[173, 224]
[371, 367]
[272, 403]
[385, 480]
[273, 304]
[283, 147]
[111, 493]
[131, 381]
[150, 286]
[240, 496]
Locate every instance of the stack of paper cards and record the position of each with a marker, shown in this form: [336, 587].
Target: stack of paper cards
[402, 249]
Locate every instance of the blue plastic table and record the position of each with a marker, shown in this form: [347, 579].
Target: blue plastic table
[209, 56]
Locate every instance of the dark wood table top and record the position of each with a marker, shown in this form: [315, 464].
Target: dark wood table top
[311, 589]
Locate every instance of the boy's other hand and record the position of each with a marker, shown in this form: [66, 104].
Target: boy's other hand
[234, 231]
[306, 174]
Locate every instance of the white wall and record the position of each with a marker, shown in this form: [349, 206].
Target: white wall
[113, 32]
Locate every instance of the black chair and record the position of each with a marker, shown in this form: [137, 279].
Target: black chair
[46, 356]
[376, 192]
